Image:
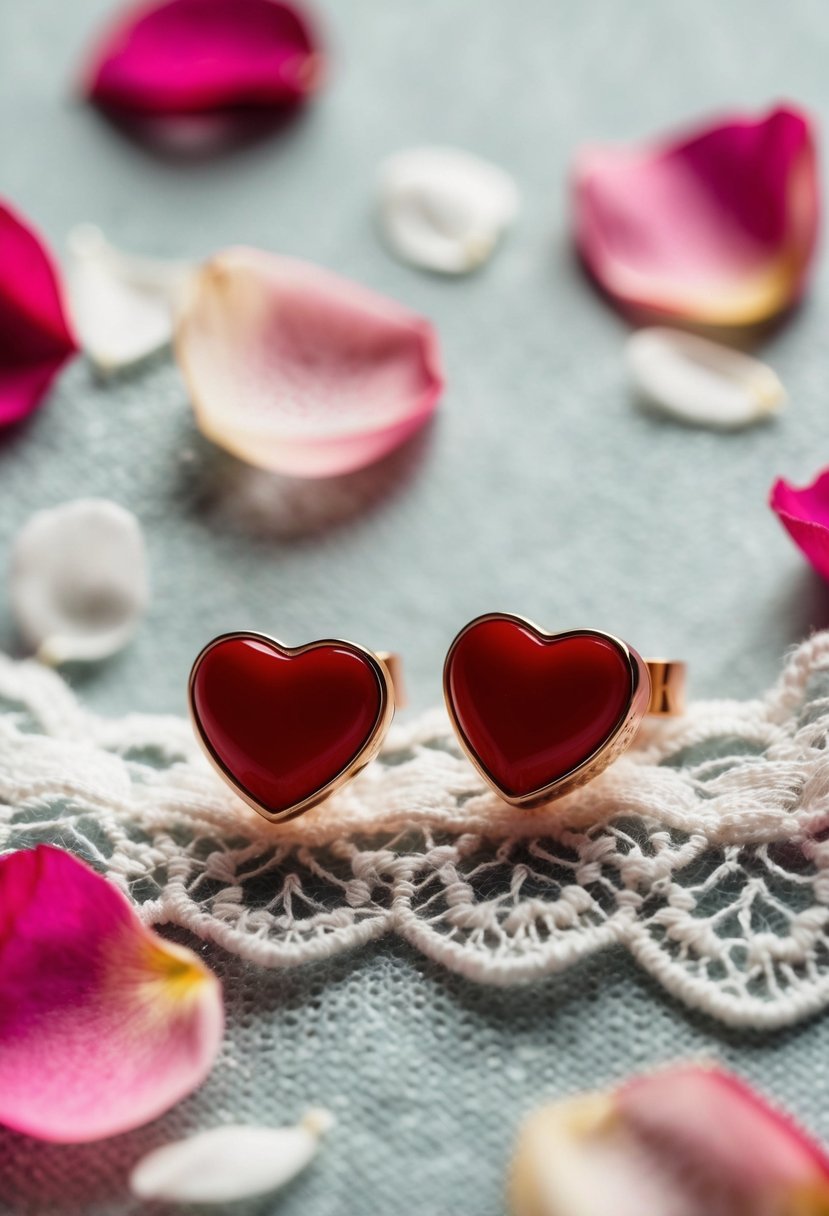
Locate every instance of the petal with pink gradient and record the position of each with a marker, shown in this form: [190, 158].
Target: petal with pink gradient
[199, 56]
[688, 1140]
[299, 371]
[103, 1024]
[717, 226]
[36, 338]
[804, 513]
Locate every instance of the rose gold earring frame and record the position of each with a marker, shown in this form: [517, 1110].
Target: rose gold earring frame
[662, 695]
[384, 666]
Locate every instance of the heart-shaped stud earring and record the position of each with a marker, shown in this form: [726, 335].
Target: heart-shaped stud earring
[539, 714]
[286, 726]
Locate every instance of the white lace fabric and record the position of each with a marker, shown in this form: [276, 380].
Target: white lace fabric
[703, 851]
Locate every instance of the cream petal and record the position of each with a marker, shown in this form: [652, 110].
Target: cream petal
[299, 371]
[78, 580]
[443, 209]
[229, 1163]
[122, 304]
[701, 382]
[575, 1159]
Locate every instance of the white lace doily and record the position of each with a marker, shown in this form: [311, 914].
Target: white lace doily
[704, 850]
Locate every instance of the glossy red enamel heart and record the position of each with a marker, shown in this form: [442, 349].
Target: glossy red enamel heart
[284, 724]
[530, 707]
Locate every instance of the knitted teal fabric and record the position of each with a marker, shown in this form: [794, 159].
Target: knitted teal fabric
[541, 489]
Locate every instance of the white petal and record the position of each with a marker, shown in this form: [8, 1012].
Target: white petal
[122, 305]
[78, 580]
[443, 209]
[228, 1163]
[700, 381]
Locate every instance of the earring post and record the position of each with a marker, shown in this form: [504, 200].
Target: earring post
[668, 678]
[394, 666]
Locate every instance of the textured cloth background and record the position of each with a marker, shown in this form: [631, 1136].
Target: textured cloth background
[540, 489]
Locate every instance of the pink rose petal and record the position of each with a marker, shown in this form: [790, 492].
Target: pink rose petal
[804, 513]
[708, 1116]
[35, 336]
[199, 56]
[717, 227]
[103, 1024]
[685, 1141]
[299, 371]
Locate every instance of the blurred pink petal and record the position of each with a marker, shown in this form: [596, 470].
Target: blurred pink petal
[299, 371]
[103, 1024]
[716, 227]
[35, 335]
[685, 1141]
[804, 513]
[197, 56]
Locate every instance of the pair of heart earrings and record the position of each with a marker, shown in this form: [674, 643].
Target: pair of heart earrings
[538, 714]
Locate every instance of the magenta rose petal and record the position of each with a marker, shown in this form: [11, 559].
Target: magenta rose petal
[687, 1139]
[191, 57]
[103, 1024]
[36, 337]
[715, 227]
[299, 371]
[804, 513]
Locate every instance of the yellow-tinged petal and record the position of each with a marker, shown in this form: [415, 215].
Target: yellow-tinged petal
[103, 1024]
[717, 226]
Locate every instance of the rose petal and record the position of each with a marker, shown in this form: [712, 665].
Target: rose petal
[701, 382]
[122, 304]
[227, 1164]
[443, 209]
[78, 580]
[686, 1141]
[717, 227]
[299, 371]
[35, 336]
[804, 513]
[764, 1153]
[198, 56]
[103, 1024]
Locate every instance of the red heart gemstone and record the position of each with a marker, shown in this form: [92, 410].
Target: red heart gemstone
[284, 724]
[532, 707]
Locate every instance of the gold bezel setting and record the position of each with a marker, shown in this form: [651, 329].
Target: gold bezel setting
[617, 742]
[363, 757]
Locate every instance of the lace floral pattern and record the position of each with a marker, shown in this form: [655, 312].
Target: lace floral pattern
[704, 850]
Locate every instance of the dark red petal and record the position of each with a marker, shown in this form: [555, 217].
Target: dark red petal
[202, 56]
[36, 338]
